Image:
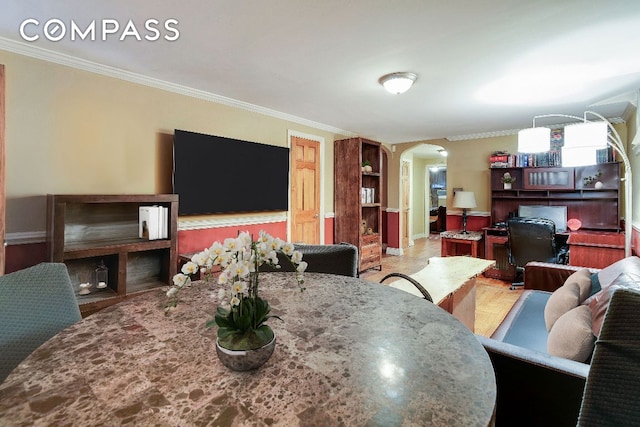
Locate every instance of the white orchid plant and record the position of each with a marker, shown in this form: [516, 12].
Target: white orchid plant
[242, 315]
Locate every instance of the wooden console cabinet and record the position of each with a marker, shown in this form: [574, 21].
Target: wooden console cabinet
[353, 207]
[86, 230]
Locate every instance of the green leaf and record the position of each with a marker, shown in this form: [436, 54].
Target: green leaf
[265, 333]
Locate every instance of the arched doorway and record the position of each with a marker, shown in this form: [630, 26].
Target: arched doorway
[426, 190]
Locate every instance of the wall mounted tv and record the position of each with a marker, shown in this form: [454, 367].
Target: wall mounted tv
[213, 174]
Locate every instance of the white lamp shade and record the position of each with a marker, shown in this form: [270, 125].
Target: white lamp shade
[534, 140]
[398, 83]
[464, 200]
[578, 156]
[590, 134]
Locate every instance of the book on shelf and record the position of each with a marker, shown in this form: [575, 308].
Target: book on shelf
[153, 222]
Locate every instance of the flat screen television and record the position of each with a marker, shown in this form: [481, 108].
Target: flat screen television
[557, 214]
[213, 174]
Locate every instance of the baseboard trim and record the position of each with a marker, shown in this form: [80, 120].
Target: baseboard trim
[394, 251]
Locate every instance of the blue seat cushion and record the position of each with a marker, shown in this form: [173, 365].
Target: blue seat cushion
[528, 328]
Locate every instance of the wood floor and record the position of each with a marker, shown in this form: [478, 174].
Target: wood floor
[493, 297]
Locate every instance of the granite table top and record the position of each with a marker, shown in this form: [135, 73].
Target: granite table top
[349, 352]
[458, 234]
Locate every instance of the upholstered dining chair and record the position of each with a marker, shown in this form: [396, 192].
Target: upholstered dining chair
[35, 304]
[530, 239]
[339, 258]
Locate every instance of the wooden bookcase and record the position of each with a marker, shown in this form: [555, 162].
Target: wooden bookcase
[352, 207]
[597, 207]
[85, 230]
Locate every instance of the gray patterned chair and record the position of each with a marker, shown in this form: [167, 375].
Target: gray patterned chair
[35, 304]
[612, 391]
[340, 258]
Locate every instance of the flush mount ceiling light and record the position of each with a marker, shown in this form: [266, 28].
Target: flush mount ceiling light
[398, 83]
[443, 152]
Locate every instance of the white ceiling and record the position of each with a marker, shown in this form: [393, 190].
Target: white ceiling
[483, 66]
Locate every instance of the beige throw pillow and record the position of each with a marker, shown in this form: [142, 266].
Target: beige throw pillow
[583, 279]
[561, 301]
[571, 335]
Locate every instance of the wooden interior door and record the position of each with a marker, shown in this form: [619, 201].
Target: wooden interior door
[406, 202]
[2, 171]
[305, 190]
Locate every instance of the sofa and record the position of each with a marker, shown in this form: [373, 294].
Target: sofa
[541, 357]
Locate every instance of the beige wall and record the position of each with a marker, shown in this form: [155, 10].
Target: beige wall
[72, 131]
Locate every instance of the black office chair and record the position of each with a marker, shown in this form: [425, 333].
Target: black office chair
[530, 239]
[340, 258]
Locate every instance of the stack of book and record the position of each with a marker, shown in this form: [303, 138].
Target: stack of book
[153, 222]
[500, 159]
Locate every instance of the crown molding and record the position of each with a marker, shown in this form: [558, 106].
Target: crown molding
[30, 50]
[482, 135]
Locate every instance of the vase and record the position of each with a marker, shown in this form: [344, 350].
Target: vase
[507, 186]
[245, 360]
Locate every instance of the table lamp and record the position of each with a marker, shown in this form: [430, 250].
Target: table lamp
[464, 200]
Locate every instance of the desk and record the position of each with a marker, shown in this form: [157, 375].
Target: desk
[595, 249]
[587, 248]
[451, 239]
[348, 352]
[451, 282]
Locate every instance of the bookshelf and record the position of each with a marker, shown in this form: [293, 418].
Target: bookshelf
[84, 231]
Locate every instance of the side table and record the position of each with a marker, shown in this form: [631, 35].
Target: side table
[452, 238]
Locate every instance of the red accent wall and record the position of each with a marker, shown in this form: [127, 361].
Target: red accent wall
[18, 257]
[196, 240]
[393, 229]
[474, 222]
[328, 231]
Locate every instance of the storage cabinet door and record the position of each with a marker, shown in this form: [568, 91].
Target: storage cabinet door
[548, 178]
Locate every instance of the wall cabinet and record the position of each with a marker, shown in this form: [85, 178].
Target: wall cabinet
[84, 231]
[358, 207]
[590, 193]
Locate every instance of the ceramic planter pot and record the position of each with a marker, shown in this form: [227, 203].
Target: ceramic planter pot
[245, 360]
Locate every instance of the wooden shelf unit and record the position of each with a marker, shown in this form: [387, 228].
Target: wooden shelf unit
[84, 230]
[597, 208]
[350, 210]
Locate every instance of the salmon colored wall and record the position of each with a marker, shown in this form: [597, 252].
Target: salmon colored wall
[474, 222]
[328, 231]
[196, 240]
[393, 229]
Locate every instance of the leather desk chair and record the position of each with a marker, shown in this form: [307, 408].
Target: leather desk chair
[530, 239]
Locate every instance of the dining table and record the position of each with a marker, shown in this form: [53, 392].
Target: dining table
[349, 352]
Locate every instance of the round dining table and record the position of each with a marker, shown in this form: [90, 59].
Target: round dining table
[348, 353]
